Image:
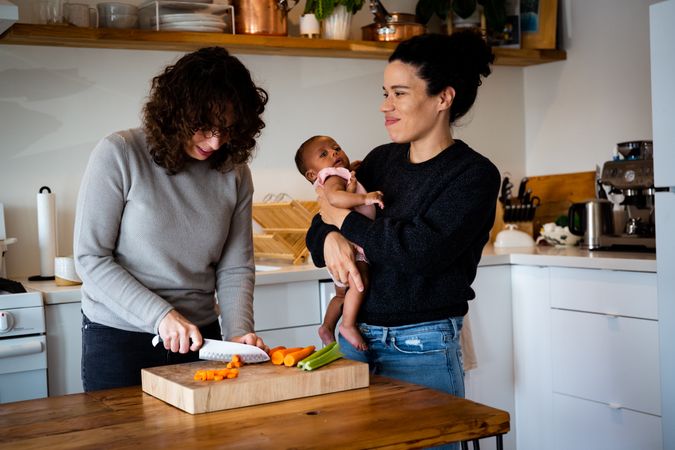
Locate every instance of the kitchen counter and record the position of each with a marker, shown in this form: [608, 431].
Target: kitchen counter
[569, 257]
[387, 414]
[273, 273]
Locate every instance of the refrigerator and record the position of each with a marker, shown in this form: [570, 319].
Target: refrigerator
[662, 47]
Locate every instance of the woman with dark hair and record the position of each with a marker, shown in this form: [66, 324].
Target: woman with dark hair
[424, 247]
[163, 233]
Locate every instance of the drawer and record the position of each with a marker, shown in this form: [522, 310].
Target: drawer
[286, 305]
[631, 294]
[292, 337]
[607, 359]
[584, 425]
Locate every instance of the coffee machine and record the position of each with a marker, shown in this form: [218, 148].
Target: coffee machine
[629, 177]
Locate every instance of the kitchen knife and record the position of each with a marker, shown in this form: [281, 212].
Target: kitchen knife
[224, 350]
[505, 192]
[522, 189]
[214, 350]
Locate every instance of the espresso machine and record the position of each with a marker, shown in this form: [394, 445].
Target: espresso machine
[629, 178]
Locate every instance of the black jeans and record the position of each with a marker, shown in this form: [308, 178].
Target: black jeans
[114, 358]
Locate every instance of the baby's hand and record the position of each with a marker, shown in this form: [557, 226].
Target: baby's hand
[351, 184]
[375, 198]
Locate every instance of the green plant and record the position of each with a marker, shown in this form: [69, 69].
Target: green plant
[323, 8]
[494, 10]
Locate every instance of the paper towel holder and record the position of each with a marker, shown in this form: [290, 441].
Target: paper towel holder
[42, 277]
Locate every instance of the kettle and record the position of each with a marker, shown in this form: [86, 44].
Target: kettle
[591, 219]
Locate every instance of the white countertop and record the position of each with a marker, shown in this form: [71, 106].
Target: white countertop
[534, 256]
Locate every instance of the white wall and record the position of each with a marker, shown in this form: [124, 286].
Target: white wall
[577, 110]
[56, 103]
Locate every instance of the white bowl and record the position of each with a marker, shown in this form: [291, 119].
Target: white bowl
[118, 21]
[109, 8]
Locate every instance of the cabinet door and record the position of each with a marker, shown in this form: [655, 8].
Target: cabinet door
[586, 425]
[532, 356]
[607, 359]
[491, 383]
[286, 305]
[292, 337]
[631, 294]
[64, 343]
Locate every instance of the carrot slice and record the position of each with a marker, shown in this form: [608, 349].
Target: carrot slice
[292, 359]
[281, 347]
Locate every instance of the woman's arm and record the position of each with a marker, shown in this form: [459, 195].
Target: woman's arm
[100, 206]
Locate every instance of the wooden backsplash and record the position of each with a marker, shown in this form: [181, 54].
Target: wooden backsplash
[557, 193]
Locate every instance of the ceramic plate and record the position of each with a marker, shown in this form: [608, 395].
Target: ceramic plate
[191, 26]
[213, 9]
[173, 18]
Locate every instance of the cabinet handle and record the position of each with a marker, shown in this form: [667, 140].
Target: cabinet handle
[8, 350]
[614, 405]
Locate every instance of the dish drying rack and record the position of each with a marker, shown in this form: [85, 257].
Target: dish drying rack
[149, 13]
[284, 222]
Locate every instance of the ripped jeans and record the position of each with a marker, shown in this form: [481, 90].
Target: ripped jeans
[427, 353]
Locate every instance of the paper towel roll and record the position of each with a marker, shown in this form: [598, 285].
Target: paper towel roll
[46, 217]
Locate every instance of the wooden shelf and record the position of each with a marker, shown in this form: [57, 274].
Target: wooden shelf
[68, 36]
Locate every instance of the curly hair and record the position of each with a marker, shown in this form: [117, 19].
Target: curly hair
[198, 92]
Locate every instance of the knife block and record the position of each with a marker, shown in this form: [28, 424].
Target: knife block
[526, 226]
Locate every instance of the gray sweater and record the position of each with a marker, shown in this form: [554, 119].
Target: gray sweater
[147, 242]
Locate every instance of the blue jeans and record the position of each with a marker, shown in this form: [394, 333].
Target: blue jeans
[114, 358]
[427, 353]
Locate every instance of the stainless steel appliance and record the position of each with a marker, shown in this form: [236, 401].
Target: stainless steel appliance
[23, 345]
[630, 180]
[592, 220]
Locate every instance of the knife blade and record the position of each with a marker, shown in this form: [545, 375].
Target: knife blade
[214, 350]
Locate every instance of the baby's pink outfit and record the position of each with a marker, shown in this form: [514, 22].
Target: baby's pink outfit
[366, 210]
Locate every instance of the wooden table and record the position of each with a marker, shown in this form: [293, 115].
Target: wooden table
[388, 414]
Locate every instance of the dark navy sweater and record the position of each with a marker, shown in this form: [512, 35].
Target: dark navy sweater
[424, 246]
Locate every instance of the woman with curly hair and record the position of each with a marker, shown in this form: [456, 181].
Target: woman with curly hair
[163, 238]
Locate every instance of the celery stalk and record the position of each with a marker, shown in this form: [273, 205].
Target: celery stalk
[317, 354]
[328, 357]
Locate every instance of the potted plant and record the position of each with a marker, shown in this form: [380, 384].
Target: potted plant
[494, 10]
[335, 15]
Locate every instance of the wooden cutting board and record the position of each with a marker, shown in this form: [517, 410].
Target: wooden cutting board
[256, 384]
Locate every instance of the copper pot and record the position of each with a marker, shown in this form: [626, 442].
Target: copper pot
[398, 27]
[265, 17]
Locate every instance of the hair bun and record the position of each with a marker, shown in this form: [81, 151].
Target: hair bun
[472, 52]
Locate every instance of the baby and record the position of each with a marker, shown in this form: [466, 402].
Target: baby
[321, 160]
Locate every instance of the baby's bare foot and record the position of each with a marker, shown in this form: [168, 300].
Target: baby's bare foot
[326, 334]
[353, 336]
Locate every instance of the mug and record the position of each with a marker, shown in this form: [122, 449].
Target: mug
[79, 14]
[47, 12]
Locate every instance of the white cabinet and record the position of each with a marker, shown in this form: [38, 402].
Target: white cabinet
[491, 383]
[586, 352]
[532, 353]
[285, 314]
[288, 313]
[64, 341]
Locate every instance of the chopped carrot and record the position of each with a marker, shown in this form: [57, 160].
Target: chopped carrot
[292, 359]
[279, 355]
[234, 373]
[236, 358]
[218, 377]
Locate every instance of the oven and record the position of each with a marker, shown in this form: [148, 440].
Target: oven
[23, 347]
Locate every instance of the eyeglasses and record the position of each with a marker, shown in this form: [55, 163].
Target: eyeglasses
[208, 134]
